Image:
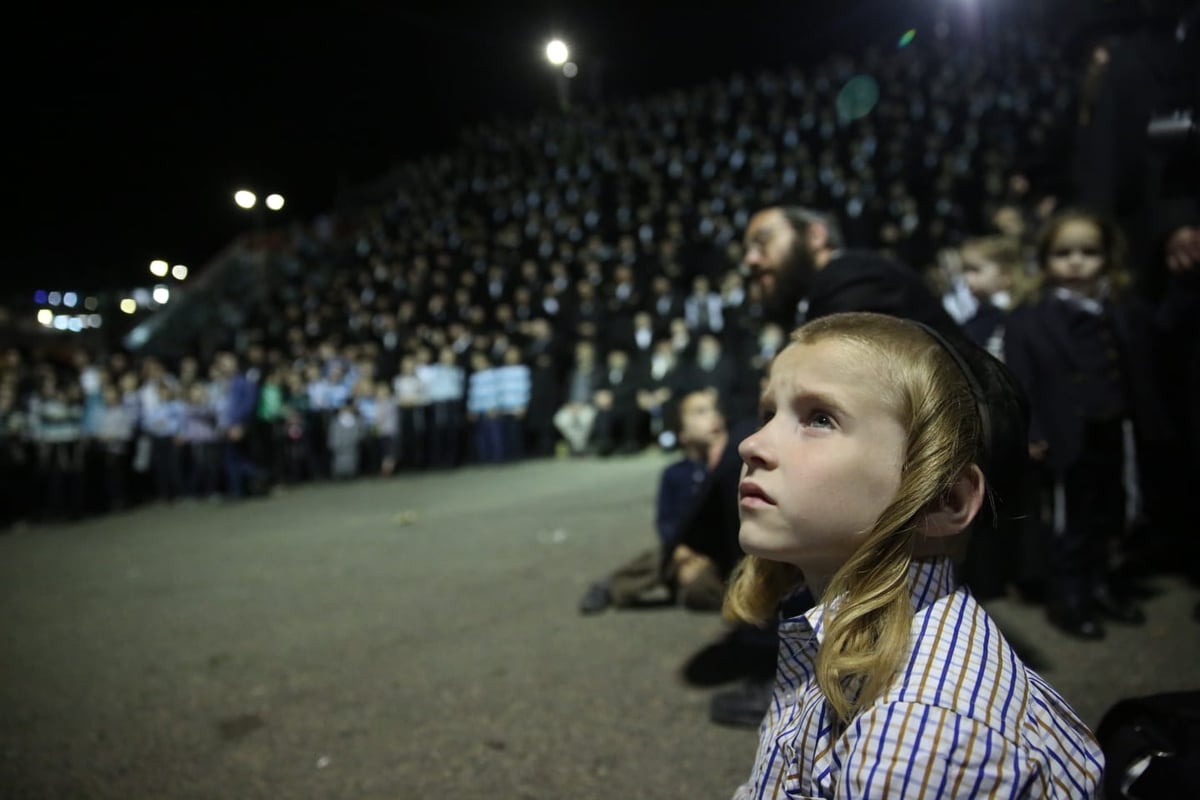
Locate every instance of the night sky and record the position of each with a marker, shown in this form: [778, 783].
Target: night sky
[134, 129]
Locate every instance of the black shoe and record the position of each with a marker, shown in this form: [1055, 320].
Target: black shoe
[1080, 624]
[595, 599]
[741, 708]
[1118, 609]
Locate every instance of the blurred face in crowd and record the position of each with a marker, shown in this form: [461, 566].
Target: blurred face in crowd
[771, 336]
[618, 360]
[512, 356]
[1008, 221]
[699, 419]
[1075, 256]
[584, 353]
[778, 260]
[983, 276]
[709, 351]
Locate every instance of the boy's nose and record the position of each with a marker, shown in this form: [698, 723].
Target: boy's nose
[754, 452]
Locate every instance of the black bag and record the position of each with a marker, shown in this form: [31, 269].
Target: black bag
[1152, 747]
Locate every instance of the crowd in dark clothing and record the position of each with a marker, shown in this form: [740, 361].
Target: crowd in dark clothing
[550, 286]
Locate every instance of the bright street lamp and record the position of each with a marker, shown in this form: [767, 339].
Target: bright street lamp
[179, 272]
[158, 268]
[161, 295]
[274, 201]
[557, 52]
[245, 199]
[129, 305]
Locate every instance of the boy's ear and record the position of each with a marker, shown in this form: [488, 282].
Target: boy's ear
[952, 512]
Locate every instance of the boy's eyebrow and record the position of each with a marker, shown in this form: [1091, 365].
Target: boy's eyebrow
[814, 396]
[817, 397]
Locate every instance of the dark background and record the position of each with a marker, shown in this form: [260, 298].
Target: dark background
[134, 127]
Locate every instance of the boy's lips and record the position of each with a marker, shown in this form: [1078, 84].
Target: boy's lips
[750, 493]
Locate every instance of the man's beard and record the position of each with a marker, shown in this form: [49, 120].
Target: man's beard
[792, 282]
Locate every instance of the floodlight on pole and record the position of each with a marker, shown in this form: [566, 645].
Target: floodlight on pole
[245, 199]
[557, 52]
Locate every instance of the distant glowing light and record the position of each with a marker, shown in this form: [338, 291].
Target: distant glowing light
[557, 52]
[858, 97]
[570, 69]
[129, 305]
[55, 298]
[70, 299]
[179, 272]
[95, 320]
[91, 304]
[244, 198]
[274, 201]
[61, 323]
[907, 38]
[75, 324]
[158, 268]
[45, 316]
[39, 296]
[161, 295]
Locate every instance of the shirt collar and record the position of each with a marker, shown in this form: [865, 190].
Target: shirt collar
[1092, 305]
[928, 581]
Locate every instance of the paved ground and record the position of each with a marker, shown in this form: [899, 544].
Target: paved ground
[313, 646]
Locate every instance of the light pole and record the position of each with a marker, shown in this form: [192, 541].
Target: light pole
[558, 54]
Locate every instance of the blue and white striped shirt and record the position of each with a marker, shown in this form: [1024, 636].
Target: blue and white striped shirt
[445, 382]
[513, 386]
[963, 718]
[483, 393]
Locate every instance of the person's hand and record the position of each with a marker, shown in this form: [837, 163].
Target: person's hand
[1037, 450]
[1183, 249]
[689, 565]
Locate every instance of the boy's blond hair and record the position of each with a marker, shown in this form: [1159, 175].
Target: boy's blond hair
[867, 629]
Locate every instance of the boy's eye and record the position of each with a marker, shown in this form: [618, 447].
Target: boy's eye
[819, 419]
